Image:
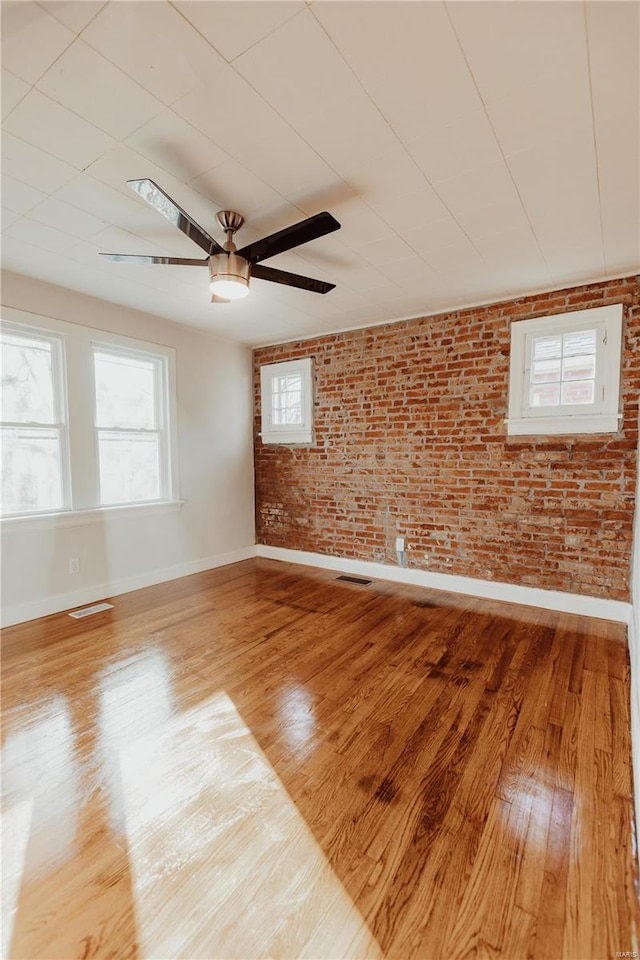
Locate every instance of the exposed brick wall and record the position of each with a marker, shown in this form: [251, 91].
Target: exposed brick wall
[411, 441]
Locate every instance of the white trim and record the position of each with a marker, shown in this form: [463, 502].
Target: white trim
[600, 416]
[616, 610]
[77, 598]
[587, 423]
[78, 343]
[29, 522]
[287, 433]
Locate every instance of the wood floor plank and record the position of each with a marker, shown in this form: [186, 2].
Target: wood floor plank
[261, 761]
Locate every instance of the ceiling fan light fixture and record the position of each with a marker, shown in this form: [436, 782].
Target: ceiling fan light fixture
[229, 276]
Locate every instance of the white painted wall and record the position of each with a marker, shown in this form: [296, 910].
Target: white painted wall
[216, 523]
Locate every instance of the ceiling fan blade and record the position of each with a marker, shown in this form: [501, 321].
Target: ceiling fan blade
[290, 279]
[169, 209]
[303, 232]
[134, 258]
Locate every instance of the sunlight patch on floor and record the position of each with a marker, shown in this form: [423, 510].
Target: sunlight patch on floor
[223, 864]
[16, 824]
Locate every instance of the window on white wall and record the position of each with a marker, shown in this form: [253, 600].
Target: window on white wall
[88, 420]
[287, 401]
[34, 440]
[565, 373]
[130, 419]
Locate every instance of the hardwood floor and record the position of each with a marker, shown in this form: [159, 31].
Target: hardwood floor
[260, 761]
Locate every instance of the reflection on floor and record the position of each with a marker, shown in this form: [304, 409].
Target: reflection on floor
[259, 761]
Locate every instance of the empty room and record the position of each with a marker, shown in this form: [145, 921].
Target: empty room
[320, 365]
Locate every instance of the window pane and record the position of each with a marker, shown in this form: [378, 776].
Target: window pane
[129, 467]
[579, 368]
[578, 391]
[31, 474]
[125, 391]
[544, 395]
[544, 371]
[581, 341]
[288, 414]
[544, 348]
[27, 380]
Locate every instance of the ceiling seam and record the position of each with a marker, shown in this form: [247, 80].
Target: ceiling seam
[502, 153]
[595, 138]
[306, 142]
[400, 142]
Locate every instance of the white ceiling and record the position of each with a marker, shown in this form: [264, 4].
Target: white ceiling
[471, 150]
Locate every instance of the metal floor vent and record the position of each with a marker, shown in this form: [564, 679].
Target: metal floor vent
[354, 579]
[89, 611]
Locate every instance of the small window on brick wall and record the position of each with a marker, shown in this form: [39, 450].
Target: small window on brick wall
[565, 373]
[287, 402]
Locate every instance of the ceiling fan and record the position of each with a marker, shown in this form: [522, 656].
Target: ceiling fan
[230, 269]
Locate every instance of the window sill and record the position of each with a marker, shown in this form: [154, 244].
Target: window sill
[586, 423]
[26, 523]
[289, 437]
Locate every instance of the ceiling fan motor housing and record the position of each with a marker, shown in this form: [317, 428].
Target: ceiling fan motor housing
[229, 266]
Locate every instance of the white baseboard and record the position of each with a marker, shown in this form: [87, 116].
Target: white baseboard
[487, 589]
[22, 612]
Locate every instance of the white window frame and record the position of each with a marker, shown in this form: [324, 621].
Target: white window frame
[161, 399]
[81, 465]
[601, 416]
[60, 409]
[283, 432]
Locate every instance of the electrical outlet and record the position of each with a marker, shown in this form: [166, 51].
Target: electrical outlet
[400, 544]
[74, 565]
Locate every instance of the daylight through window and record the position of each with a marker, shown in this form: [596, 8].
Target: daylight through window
[33, 440]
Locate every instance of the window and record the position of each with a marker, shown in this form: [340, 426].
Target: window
[287, 402]
[34, 448]
[565, 373]
[129, 425]
[89, 419]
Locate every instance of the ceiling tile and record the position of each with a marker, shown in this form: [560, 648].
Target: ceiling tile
[62, 216]
[512, 44]
[485, 182]
[324, 99]
[33, 166]
[255, 135]
[382, 252]
[56, 130]
[74, 14]
[44, 237]
[19, 197]
[231, 186]
[31, 39]
[112, 102]
[104, 202]
[176, 146]
[13, 89]
[404, 214]
[7, 218]
[232, 28]
[559, 188]
[386, 176]
[452, 149]
[458, 256]
[154, 45]
[530, 115]
[493, 217]
[613, 56]
[407, 57]
[435, 236]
